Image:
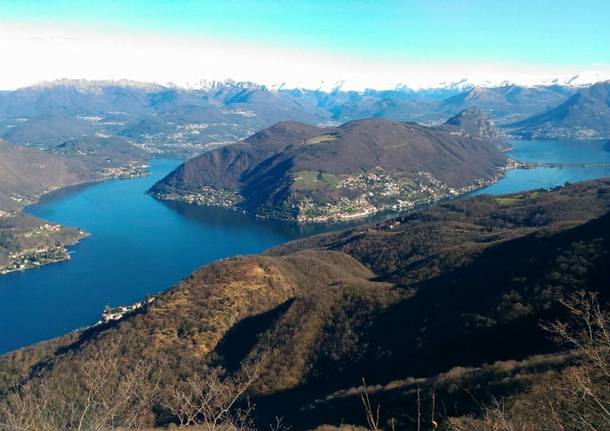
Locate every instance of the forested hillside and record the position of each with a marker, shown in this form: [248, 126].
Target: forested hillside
[461, 285]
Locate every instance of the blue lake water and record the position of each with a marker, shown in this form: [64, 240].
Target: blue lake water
[569, 152]
[140, 246]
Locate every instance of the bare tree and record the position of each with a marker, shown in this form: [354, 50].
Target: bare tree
[94, 395]
[373, 416]
[581, 396]
[574, 399]
[209, 400]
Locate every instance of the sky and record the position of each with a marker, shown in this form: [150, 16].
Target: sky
[315, 43]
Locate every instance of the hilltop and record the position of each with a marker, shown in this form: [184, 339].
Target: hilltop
[301, 172]
[475, 123]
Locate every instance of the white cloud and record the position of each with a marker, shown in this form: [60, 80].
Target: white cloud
[32, 54]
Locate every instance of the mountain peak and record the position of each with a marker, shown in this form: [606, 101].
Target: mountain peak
[584, 79]
[474, 122]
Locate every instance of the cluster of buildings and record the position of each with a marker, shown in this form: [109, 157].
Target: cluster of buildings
[208, 196]
[33, 257]
[376, 191]
[23, 200]
[341, 210]
[193, 138]
[246, 113]
[132, 170]
[379, 191]
[353, 196]
[43, 229]
[111, 314]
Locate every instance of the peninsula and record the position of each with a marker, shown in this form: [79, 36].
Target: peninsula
[298, 172]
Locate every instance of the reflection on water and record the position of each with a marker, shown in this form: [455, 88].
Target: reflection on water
[220, 217]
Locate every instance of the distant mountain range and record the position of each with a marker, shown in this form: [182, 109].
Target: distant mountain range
[300, 172]
[188, 121]
[580, 79]
[586, 114]
[510, 102]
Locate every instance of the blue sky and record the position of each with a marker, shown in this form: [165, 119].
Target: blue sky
[541, 33]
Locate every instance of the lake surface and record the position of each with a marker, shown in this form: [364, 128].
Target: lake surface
[569, 152]
[141, 246]
[138, 246]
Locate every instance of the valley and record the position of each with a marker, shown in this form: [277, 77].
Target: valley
[304, 216]
[363, 249]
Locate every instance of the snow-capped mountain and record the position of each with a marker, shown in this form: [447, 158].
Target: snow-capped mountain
[575, 80]
[583, 79]
[86, 85]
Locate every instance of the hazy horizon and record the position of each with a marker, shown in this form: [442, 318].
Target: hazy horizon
[311, 44]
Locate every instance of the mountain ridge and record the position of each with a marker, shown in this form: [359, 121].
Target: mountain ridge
[584, 115]
[185, 122]
[580, 79]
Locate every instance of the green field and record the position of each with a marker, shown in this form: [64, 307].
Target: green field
[315, 180]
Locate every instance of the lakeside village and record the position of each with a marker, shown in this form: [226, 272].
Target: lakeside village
[112, 314]
[131, 170]
[383, 192]
[34, 257]
[375, 191]
[50, 251]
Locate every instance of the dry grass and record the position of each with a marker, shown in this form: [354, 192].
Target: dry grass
[321, 139]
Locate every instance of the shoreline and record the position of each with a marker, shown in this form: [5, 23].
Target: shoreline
[50, 194]
[373, 212]
[23, 259]
[370, 213]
